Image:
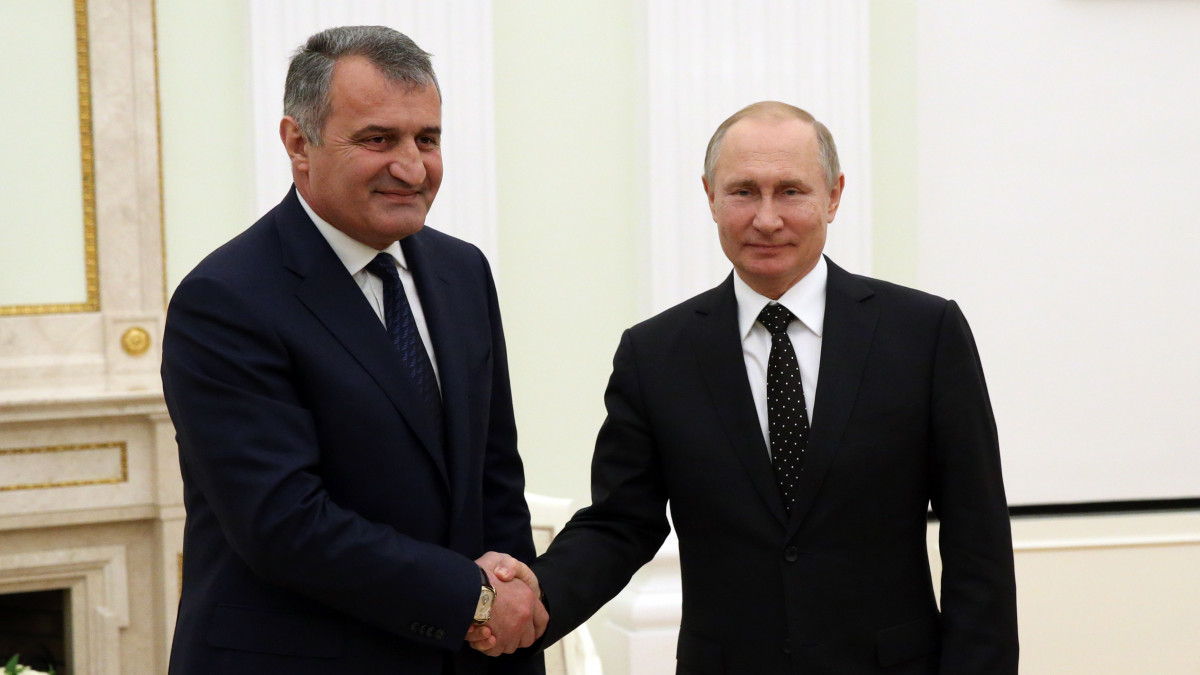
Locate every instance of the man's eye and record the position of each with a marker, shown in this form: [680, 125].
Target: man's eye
[428, 140]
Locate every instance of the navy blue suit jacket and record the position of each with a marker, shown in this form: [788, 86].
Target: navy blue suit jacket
[326, 532]
[841, 584]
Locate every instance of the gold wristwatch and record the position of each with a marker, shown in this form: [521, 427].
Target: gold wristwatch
[487, 595]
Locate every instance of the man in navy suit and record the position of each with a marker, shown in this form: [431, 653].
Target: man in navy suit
[799, 420]
[339, 385]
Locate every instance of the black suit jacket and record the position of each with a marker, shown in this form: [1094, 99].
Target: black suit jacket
[842, 584]
[326, 531]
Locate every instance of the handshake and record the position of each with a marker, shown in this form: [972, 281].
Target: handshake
[518, 616]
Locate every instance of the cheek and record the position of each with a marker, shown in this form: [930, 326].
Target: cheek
[733, 217]
[730, 237]
[805, 217]
[433, 171]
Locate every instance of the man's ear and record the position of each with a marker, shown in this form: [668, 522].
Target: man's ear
[708, 191]
[835, 196]
[295, 143]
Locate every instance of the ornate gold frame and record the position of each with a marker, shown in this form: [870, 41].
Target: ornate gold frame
[92, 275]
[124, 477]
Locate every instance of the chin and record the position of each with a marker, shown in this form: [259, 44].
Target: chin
[769, 271]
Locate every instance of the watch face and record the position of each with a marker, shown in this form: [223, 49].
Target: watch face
[483, 611]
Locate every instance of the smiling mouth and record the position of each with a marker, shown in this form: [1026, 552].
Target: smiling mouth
[403, 195]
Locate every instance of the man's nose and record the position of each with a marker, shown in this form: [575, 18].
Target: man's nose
[407, 164]
[766, 216]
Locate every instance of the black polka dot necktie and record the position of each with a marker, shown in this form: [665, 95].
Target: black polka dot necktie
[402, 328]
[787, 417]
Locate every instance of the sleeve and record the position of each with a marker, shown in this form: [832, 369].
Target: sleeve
[505, 511]
[979, 610]
[249, 454]
[602, 546]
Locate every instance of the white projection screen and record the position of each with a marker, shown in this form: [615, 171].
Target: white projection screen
[1058, 178]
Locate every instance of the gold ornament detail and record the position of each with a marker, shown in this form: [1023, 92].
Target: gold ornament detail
[120, 446]
[135, 341]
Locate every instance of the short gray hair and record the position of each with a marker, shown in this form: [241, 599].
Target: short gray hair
[310, 73]
[826, 148]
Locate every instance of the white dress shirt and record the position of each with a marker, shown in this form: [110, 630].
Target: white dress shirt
[355, 255]
[805, 300]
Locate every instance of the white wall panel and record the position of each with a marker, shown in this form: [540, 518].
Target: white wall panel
[1058, 155]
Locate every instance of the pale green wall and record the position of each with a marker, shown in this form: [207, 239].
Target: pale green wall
[893, 88]
[566, 116]
[41, 175]
[568, 156]
[204, 92]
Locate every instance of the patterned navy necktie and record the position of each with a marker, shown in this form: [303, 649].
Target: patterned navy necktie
[787, 416]
[402, 328]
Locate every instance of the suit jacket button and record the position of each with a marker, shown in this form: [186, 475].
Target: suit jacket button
[787, 646]
[791, 554]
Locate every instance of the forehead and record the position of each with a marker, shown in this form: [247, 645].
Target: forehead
[359, 89]
[775, 142]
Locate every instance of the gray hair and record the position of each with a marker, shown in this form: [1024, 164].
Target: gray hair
[310, 73]
[826, 148]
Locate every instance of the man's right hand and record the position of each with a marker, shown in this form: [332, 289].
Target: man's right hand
[518, 616]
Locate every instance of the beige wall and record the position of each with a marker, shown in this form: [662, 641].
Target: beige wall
[1107, 594]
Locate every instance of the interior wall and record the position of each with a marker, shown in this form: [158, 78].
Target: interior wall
[204, 100]
[894, 139]
[1106, 593]
[567, 157]
[42, 155]
[959, 209]
[566, 89]
[1057, 152]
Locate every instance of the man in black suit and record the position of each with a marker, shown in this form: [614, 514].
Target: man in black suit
[803, 550]
[338, 381]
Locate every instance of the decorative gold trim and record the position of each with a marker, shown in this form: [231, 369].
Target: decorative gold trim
[87, 156]
[162, 209]
[124, 477]
[135, 341]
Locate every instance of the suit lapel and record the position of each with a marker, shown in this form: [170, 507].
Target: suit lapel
[329, 292]
[718, 350]
[849, 328]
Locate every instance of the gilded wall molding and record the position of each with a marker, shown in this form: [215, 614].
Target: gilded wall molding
[121, 477]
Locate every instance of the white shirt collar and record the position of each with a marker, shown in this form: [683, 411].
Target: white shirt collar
[353, 253]
[805, 299]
